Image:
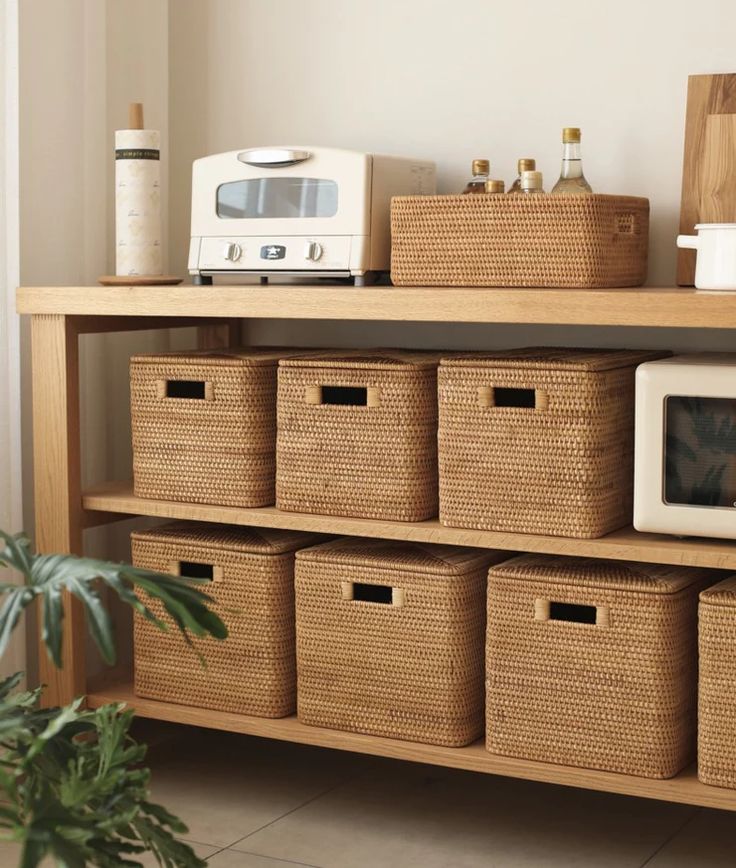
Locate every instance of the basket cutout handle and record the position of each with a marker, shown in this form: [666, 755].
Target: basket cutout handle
[346, 396]
[196, 570]
[385, 595]
[571, 613]
[193, 390]
[627, 223]
[504, 396]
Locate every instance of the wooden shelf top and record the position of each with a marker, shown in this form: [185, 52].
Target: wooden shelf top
[685, 788]
[625, 544]
[640, 306]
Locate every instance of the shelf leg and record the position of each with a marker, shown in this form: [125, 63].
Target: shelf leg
[58, 500]
[219, 336]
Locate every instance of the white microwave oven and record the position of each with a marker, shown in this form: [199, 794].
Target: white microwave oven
[306, 212]
[685, 446]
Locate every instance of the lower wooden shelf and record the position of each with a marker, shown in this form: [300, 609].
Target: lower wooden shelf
[685, 788]
[117, 498]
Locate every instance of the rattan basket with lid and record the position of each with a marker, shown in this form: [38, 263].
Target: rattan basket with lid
[717, 685]
[593, 663]
[204, 426]
[538, 440]
[357, 434]
[563, 241]
[252, 582]
[390, 639]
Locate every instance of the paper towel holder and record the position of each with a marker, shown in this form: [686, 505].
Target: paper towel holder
[135, 122]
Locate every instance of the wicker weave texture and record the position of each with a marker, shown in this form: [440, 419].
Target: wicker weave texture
[217, 449]
[717, 685]
[618, 694]
[563, 466]
[563, 241]
[254, 670]
[377, 460]
[410, 668]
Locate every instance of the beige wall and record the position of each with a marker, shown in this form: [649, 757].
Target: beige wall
[450, 81]
[81, 62]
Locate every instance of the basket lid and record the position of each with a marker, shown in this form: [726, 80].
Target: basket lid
[248, 540]
[372, 359]
[556, 358]
[595, 573]
[721, 594]
[235, 356]
[405, 556]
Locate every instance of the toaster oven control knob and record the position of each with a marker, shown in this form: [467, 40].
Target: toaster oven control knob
[312, 251]
[232, 251]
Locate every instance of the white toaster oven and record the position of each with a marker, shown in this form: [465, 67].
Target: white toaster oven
[307, 212]
[685, 446]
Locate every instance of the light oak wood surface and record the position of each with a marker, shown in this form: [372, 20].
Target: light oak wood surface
[61, 314]
[664, 307]
[57, 496]
[625, 544]
[684, 788]
[709, 161]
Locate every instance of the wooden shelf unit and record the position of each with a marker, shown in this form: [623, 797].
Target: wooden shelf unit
[685, 788]
[622, 545]
[59, 315]
[640, 306]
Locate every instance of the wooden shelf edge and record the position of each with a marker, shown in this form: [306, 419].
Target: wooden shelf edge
[618, 306]
[684, 789]
[625, 544]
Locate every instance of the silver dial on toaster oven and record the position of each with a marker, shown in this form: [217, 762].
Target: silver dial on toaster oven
[232, 251]
[312, 251]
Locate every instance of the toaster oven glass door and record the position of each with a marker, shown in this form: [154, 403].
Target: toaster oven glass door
[277, 197]
[700, 451]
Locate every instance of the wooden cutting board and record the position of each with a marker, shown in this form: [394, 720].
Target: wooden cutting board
[709, 161]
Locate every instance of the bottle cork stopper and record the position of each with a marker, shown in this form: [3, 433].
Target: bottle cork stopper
[135, 116]
[481, 167]
[494, 186]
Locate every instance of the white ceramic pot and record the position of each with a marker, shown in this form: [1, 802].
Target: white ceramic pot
[716, 263]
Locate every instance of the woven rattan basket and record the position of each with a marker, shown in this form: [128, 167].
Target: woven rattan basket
[204, 426]
[390, 639]
[357, 434]
[593, 663]
[575, 241]
[252, 581]
[717, 685]
[538, 440]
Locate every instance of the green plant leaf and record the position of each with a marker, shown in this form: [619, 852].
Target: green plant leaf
[17, 597]
[17, 553]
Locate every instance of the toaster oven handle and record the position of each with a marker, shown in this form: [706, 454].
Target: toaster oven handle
[273, 158]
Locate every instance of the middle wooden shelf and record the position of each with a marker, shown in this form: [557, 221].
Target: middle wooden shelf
[117, 498]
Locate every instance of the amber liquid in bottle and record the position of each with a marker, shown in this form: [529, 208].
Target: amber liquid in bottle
[477, 183]
[524, 165]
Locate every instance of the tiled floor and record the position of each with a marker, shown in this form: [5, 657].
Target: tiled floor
[251, 803]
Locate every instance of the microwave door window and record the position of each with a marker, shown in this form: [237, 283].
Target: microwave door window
[277, 198]
[700, 451]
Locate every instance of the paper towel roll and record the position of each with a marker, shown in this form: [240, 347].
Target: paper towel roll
[137, 202]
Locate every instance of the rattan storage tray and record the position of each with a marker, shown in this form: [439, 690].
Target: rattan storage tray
[204, 426]
[593, 663]
[252, 581]
[538, 440]
[717, 685]
[390, 639]
[357, 434]
[486, 240]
